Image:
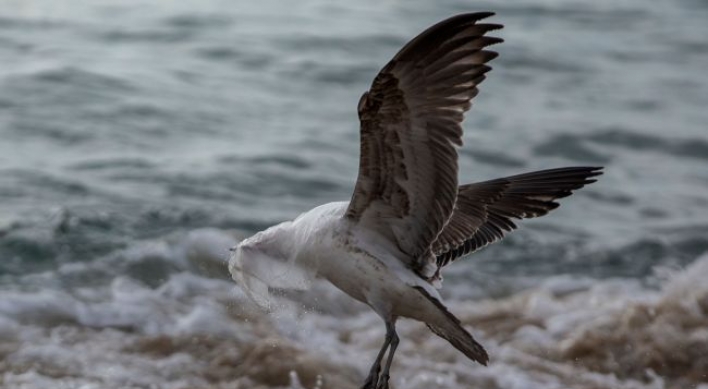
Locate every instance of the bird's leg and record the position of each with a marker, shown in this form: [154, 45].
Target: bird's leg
[393, 340]
[373, 378]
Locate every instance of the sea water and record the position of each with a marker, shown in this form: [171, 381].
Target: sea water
[140, 140]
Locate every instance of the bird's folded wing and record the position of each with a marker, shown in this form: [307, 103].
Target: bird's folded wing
[410, 127]
[484, 211]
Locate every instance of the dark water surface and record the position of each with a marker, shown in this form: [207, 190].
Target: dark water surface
[139, 141]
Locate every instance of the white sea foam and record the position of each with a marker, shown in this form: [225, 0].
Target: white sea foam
[193, 331]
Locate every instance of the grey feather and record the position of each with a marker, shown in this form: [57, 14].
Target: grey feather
[410, 128]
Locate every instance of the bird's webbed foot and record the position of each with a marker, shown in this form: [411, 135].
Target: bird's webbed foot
[370, 383]
[373, 379]
[378, 379]
[383, 382]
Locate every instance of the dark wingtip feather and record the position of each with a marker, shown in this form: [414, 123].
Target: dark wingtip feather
[597, 170]
[482, 15]
[492, 26]
[592, 170]
[493, 40]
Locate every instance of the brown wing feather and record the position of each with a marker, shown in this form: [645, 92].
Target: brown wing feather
[410, 127]
[484, 211]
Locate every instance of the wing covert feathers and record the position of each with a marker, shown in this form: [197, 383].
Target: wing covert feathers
[410, 127]
[484, 211]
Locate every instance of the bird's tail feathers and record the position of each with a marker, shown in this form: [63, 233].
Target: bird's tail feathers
[450, 329]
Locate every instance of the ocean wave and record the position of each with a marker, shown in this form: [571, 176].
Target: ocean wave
[625, 138]
[195, 329]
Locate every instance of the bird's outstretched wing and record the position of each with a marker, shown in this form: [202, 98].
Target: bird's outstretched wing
[484, 211]
[410, 127]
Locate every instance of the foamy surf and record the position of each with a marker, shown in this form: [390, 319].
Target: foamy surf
[196, 331]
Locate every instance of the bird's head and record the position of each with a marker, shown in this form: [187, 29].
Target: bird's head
[268, 260]
[243, 266]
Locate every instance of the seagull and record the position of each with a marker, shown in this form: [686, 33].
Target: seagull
[407, 218]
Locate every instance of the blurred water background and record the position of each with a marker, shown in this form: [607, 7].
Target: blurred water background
[140, 140]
